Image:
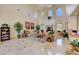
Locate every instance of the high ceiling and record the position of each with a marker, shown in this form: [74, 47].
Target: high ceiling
[32, 8]
[76, 11]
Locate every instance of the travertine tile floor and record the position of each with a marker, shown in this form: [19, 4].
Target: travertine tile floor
[30, 46]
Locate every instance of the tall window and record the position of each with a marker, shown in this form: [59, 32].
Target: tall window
[50, 12]
[59, 12]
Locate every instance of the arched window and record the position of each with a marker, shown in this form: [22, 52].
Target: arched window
[35, 15]
[50, 12]
[59, 12]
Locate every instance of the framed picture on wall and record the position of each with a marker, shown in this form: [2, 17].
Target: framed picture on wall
[27, 25]
[32, 25]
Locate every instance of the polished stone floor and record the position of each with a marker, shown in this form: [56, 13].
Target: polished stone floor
[32, 46]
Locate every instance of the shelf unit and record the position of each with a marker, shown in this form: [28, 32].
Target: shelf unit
[5, 33]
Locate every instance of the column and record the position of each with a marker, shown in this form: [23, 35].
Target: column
[78, 22]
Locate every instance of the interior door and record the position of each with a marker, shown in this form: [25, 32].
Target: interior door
[59, 27]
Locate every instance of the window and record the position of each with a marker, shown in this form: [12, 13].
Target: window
[59, 12]
[35, 15]
[50, 12]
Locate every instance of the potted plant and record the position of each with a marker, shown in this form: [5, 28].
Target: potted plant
[18, 27]
[75, 44]
[38, 28]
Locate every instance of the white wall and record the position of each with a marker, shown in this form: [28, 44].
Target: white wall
[72, 22]
[10, 15]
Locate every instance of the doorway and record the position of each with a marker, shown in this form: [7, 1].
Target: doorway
[59, 27]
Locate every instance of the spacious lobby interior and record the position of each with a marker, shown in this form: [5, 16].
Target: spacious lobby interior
[39, 29]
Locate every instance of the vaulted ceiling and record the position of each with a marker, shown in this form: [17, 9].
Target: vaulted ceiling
[76, 11]
[26, 9]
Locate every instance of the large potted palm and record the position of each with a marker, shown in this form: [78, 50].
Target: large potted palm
[38, 28]
[75, 45]
[18, 27]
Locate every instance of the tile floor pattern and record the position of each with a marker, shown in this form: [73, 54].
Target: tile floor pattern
[30, 46]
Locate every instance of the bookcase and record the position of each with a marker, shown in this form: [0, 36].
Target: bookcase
[4, 33]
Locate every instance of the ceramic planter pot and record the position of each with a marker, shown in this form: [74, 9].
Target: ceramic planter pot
[18, 36]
